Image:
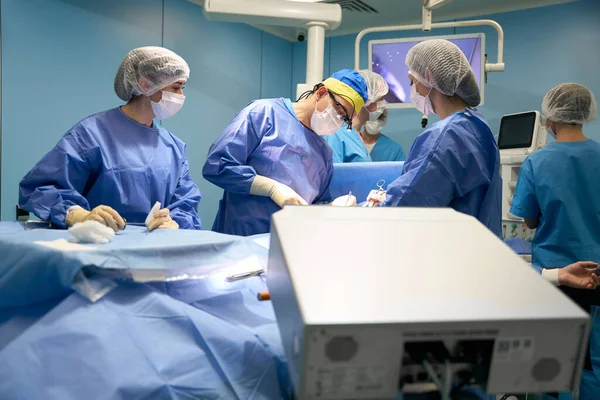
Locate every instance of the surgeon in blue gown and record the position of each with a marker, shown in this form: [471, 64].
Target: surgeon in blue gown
[346, 143]
[113, 166]
[272, 154]
[456, 162]
[558, 193]
[379, 146]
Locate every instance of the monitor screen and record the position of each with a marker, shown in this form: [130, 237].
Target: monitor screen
[516, 131]
[388, 57]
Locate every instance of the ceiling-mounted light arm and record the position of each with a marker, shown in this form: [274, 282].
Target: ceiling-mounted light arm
[314, 17]
[428, 6]
[489, 67]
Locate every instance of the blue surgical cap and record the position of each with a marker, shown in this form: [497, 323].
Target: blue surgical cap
[353, 79]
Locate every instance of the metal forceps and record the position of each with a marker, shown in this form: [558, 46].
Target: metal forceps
[244, 275]
[380, 186]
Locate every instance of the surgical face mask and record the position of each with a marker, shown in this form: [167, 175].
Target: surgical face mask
[325, 122]
[373, 115]
[374, 127]
[550, 131]
[422, 103]
[168, 106]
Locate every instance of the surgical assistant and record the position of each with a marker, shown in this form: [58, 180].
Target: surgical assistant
[272, 154]
[557, 193]
[379, 146]
[456, 162]
[115, 165]
[346, 143]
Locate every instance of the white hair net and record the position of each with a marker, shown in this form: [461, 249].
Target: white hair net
[377, 87]
[570, 103]
[441, 65]
[146, 70]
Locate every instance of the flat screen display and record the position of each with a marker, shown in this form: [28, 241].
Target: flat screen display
[516, 131]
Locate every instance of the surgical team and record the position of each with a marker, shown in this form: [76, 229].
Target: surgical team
[113, 166]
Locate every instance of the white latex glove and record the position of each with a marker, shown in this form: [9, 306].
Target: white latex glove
[281, 194]
[161, 219]
[102, 214]
[91, 231]
[376, 197]
[346, 200]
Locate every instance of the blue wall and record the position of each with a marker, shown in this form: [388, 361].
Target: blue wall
[59, 60]
[543, 47]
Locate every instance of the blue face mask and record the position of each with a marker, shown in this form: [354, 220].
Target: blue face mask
[550, 131]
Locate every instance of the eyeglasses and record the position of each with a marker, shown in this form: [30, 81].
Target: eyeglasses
[346, 117]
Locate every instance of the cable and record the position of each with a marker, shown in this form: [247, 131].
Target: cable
[447, 381]
[434, 377]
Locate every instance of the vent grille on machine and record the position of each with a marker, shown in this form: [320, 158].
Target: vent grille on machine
[353, 5]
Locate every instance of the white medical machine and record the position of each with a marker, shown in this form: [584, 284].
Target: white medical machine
[520, 135]
[433, 297]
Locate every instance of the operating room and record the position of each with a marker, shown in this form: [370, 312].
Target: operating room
[187, 314]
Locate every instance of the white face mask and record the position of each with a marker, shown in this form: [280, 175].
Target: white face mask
[325, 122]
[374, 127]
[168, 106]
[378, 111]
[422, 103]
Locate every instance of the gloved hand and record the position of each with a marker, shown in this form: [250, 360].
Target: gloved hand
[278, 192]
[103, 214]
[346, 200]
[579, 275]
[376, 197]
[162, 220]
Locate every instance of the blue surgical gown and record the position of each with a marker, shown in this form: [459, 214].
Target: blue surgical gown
[559, 185]
[386, 149]
[347, 146]
[267, 139]
[455, 163]
[109, 159]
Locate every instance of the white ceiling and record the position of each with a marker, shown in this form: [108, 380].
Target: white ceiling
[402, 12]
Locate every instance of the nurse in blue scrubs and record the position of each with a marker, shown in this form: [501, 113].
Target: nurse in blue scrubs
[115, 165]
[558, 192]
[379, 146]
[456, 162]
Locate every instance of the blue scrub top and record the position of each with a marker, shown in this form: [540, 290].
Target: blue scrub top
[265, 138]
[109, 159]
[347, 146]
[455, 163]
[386, 149]
[560, 185]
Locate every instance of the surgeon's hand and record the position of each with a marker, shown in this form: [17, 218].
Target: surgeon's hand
[162, 220]
[579, 275]
[103, 214]
[284, 195]
[376, 197]
[347, 200]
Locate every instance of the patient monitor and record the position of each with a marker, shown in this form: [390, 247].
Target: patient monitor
[520, 135]
[435, 299]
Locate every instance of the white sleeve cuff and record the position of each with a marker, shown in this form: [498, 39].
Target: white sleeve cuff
[72, 208]
[551, 275]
